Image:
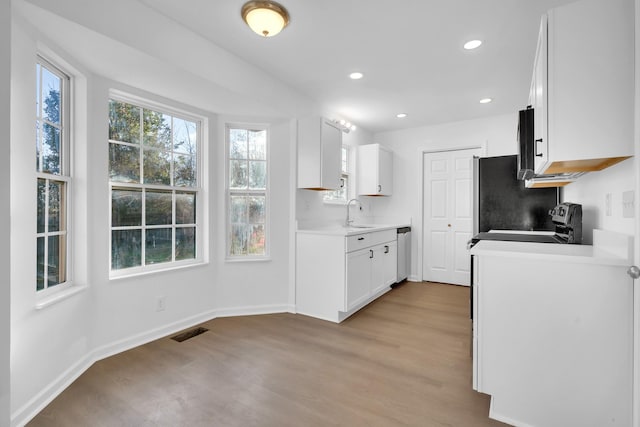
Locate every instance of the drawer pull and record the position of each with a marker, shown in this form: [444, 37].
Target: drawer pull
[360, 238]
[386, 249]
[370, 253]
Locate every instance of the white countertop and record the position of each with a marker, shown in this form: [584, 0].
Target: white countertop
[549, 252]
[339, 230]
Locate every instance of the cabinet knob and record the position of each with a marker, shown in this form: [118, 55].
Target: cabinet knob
[449, 225]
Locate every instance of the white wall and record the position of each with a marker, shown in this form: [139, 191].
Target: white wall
[496, 134]
[591, 190]
[52, 346]
[5, 215]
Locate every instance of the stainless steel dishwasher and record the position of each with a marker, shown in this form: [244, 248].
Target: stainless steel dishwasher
[404, 253]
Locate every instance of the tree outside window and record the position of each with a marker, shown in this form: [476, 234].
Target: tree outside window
[247, 192]
[153, 170]
[52, 175]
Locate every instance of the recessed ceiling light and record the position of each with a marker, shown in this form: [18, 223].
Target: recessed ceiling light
[485, 100]
[401, 115]
[472, 44]
[356, 76]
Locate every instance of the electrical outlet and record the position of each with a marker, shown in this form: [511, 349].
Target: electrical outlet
[628, 204]
[607, 204]
[160, 304]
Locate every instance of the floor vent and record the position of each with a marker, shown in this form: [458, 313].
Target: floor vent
[189, 334]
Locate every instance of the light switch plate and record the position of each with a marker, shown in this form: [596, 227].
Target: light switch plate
[628, 204]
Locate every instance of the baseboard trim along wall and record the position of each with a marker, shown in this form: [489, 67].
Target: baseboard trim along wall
[23, 415]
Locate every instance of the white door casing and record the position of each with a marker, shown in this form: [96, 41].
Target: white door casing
[447, 215]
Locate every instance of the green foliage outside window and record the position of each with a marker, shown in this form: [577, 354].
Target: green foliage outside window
[152, 169]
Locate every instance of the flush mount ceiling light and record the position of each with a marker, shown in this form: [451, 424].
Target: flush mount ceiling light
[356, 75]
[266, 18]
[472, 44]
[401, 115]
[485, 100]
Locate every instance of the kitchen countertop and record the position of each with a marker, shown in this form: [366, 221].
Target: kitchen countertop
[340, 230]
[591, 254]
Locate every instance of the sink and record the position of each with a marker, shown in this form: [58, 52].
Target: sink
[361, 226]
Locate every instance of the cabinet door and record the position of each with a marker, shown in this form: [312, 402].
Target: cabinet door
[385, 172]
[358, 286]
[539, 87]
[390, 262]
[331, 156]
[378, 276]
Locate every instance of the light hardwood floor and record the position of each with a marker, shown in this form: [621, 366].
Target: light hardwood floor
[404, 360]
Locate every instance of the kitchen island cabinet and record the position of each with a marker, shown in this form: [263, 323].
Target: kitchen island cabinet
[553, 332]
[337, 274]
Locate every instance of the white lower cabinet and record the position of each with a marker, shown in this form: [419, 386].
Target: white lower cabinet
[553, 337]
[336, 275]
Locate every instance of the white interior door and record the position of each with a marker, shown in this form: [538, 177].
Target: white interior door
[447, 215]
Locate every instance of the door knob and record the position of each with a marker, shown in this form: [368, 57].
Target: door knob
[633, 272]
[448, 225]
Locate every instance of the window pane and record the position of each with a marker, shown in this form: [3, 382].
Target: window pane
[158, 246]
[257, 210]
[126, 207]
[157, 208]
[51, 85]
[238, 174]
[156, 129]
[258, 175]
[238, 212]
[126, 248]
[239, 239]
[185, 208]
[345, 160]
[42, 204]
[258, 145]
[185, 243]
[157, 167]
[256, 240]
[56, 272]
[184, 171]
[57, 206]
[40, 264]
[238, 144]
[185, 136]
[38, 92]
[124, 122]
[50, 149]
[124, 163]
[38, 145]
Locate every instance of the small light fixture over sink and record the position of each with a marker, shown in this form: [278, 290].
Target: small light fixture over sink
[266, 18]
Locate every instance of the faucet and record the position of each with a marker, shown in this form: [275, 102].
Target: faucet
[349, 220]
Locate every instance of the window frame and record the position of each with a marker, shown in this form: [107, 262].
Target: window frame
[229, 192]
[346, 176]
[64, 176]
[198, 190]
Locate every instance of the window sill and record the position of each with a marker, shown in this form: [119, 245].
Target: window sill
[335, 202]
[59, 296]
[240, 260]
[138, 273]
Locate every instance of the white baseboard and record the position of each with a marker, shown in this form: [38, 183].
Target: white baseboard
[38, 402]
[29, 410]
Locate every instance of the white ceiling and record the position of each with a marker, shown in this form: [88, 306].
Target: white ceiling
[409, 50]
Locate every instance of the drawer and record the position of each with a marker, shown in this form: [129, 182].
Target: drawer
[365, 240]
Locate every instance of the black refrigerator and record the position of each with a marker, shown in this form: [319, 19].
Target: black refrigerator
[502, 202]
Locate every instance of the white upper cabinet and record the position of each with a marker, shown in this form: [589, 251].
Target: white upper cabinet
[583, 87]
[374, 170]
[319, 154]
